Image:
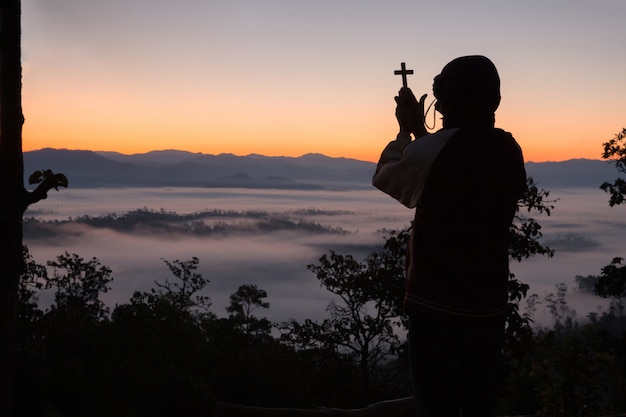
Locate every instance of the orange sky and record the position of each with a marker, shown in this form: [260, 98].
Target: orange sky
[293, 78]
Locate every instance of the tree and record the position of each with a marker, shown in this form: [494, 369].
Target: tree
[161, 356]
[66, 346]
[14, 199]
[388, 264]
[78, 284]
[362, 319]
[370, 294]
[612, 280]
[243, 302]
[586, 284]
[31, 354]
[559, 310]
[32, 280]
[577, 372]
[525, 242]
[11, 191]
[615, 150]
[182, 291]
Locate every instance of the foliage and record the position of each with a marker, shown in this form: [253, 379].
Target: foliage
[182, 291]
[526, 231]
[615, 150]
[77, 285]
[556, 304]
[575, 369]
[165, 353]
[45, 180]
[388, 265]
[47, 176]
[32, 280]
[612, 280]
[160, 348]
[587, 283]
[159, 354]
[243, 302]
[525, 242]
[63, 347]
[578, 374]
[364, 316]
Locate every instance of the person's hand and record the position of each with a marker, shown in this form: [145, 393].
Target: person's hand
[410, 112]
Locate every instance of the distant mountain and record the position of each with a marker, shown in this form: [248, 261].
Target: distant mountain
[172, 168]
[88, 169]
[572, 173]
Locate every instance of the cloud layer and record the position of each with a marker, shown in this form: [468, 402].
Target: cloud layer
[585, 231]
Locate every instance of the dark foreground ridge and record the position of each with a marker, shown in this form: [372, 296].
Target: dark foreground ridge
[402, 407]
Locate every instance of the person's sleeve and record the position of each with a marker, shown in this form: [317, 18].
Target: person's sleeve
[395, 171]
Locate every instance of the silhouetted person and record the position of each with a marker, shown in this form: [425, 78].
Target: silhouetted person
[464, 182]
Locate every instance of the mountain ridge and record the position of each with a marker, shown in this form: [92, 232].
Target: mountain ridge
[162, 168]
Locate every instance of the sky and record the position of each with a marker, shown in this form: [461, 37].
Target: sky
[290, 77]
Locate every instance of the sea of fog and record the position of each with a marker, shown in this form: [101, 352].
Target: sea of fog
[583, 229]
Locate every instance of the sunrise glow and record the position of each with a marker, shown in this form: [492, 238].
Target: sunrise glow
[279, 80]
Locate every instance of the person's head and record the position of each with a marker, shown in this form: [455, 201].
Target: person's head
[467, 92]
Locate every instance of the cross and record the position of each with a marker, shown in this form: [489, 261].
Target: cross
[403, 72]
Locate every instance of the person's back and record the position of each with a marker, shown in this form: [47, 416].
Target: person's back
[460, 236]
[464, 182]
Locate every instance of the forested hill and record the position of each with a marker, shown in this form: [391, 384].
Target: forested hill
[87, 169]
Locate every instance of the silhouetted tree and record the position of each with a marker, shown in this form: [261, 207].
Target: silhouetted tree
[587, 283]
[78, 284]
[14, 199]
[577, 372]
[388, 265]
[525, 242]
[362, 319]
[11, 191]
[161, 357]
[31, 355]
[612, 280]
[68, 344]
[370, 293]
[243, 302]
[615, 150]
[33, 278]
[183, 291]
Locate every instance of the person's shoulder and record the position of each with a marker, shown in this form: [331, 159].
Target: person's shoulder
[504, 137]
[496, 131]
[505, 144]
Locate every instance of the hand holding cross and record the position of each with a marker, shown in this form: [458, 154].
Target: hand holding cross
[404, 73]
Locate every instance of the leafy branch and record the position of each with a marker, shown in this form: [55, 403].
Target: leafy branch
[615, 151]
[46, 180]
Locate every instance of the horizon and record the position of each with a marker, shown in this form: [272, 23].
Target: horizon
[285, 78]
[268, 156]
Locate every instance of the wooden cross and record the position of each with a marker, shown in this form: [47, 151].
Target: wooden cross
[403, 72]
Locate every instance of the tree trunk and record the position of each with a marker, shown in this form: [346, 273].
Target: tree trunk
[12, 192]
[365, 375]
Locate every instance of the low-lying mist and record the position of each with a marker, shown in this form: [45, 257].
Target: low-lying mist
[268, 237]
